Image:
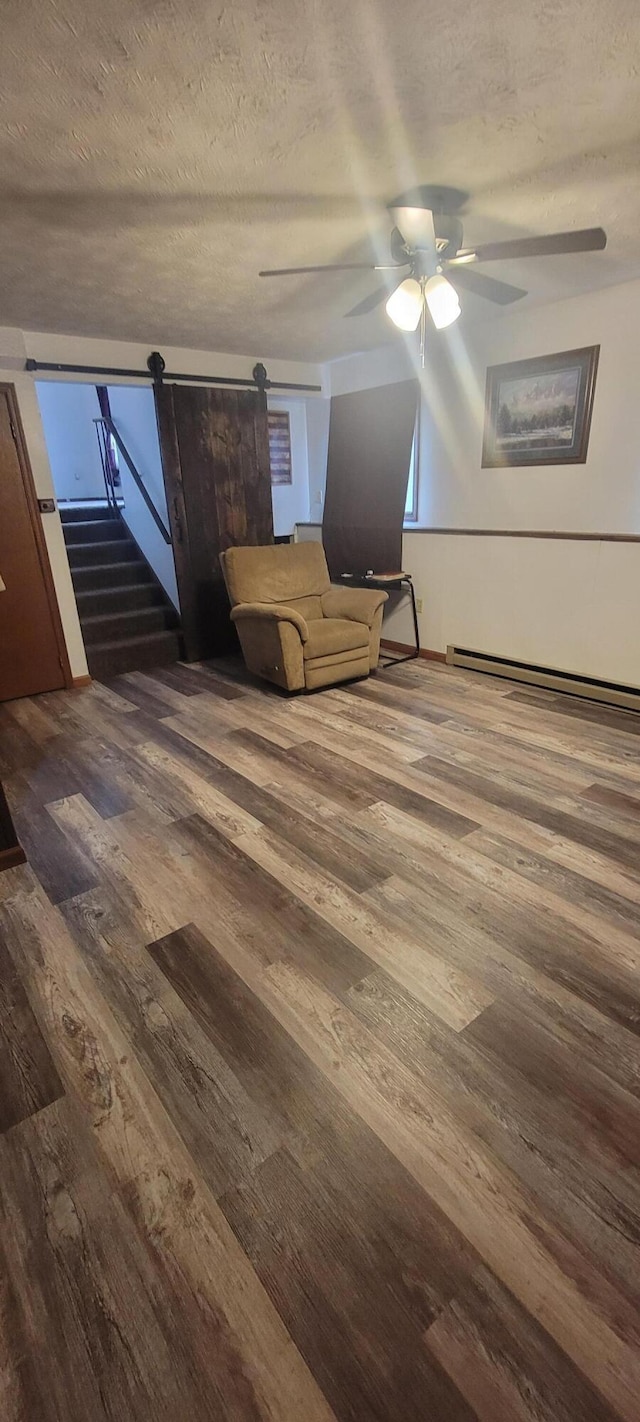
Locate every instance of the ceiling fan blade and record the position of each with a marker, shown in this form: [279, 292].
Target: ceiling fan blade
[415, 225]
[589, 239]
[369, 303]
[499, 291]
[331, 267]
[334, 267]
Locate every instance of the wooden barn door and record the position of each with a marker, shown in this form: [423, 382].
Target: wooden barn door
[215, 457]
[33, 656]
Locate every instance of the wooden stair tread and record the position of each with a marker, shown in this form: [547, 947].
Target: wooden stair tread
[104, 543]
[84, 513]
[105, 526]
[134, 613]
[114, 590]
[160, 636]
[91, 522]
[123, 597]
[127, 620]
[102, 567]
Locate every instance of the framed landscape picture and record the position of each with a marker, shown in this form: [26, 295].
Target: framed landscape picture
[539, 411]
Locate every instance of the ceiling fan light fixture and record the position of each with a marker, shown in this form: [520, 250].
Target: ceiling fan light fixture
[442, 300]
[404, 306]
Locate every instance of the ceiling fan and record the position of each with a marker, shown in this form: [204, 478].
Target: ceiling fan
[427, 238]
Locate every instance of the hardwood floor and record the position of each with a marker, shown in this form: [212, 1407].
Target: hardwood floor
[319, 1051]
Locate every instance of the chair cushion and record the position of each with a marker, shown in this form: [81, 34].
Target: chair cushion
[308, 607]
[276, 573]
[334, 634]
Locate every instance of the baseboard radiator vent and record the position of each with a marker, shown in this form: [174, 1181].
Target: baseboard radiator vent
[591, 687]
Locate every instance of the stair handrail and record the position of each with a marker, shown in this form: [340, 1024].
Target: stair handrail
[102, 434]
[108, 424]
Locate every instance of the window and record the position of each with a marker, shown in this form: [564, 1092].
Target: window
[411, 504]
[280, 446]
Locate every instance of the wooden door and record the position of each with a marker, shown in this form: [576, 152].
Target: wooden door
[215, 457]
[370, 438]
[32, 652]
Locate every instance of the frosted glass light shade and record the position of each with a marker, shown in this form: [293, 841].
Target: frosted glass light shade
[405, 304]
[442, 301]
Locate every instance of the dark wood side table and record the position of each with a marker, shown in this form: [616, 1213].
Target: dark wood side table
[11, 852]
[397, 582]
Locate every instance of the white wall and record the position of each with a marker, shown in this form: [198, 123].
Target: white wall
[91, 350]
[385, 366]
[67, 412]
[318, 412]
[562, 603]
[134, 413]
[291, 501]
[602, 495]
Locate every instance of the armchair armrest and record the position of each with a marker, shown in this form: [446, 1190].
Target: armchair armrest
[272, 612]
[356, 604]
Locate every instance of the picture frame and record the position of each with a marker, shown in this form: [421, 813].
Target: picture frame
[538, 411]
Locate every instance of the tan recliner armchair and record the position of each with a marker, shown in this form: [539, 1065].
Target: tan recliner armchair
[295, 628]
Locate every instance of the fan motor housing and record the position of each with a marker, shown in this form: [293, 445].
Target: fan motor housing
[448, 232]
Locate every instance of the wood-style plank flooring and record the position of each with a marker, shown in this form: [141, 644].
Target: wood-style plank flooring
[319, 1050]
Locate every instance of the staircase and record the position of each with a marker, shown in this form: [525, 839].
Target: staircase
[127, 620]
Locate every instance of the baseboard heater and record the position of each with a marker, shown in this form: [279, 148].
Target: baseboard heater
[615, 693]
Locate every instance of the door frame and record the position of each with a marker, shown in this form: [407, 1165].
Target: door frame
[36, 523]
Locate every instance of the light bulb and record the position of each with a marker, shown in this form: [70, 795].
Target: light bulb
[405, 304]
[442, 301]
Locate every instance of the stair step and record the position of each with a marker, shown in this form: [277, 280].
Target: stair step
[87, 555]
[107, 600]
[128, 623]
[109, 575]
[119, 626]
[109, 659]
[81, 514]
[95, 530]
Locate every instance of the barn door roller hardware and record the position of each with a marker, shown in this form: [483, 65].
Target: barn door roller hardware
[157, 372]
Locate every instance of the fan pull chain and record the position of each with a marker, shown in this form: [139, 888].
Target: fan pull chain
[423, 325]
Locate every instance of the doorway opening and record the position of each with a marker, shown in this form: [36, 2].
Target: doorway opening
[104, 454]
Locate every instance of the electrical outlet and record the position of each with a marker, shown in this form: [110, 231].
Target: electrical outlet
[419, 604]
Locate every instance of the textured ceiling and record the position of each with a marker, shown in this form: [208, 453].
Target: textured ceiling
[154, 154]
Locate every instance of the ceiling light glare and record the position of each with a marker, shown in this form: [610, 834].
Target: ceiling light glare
[442, 300]
[405, 305]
